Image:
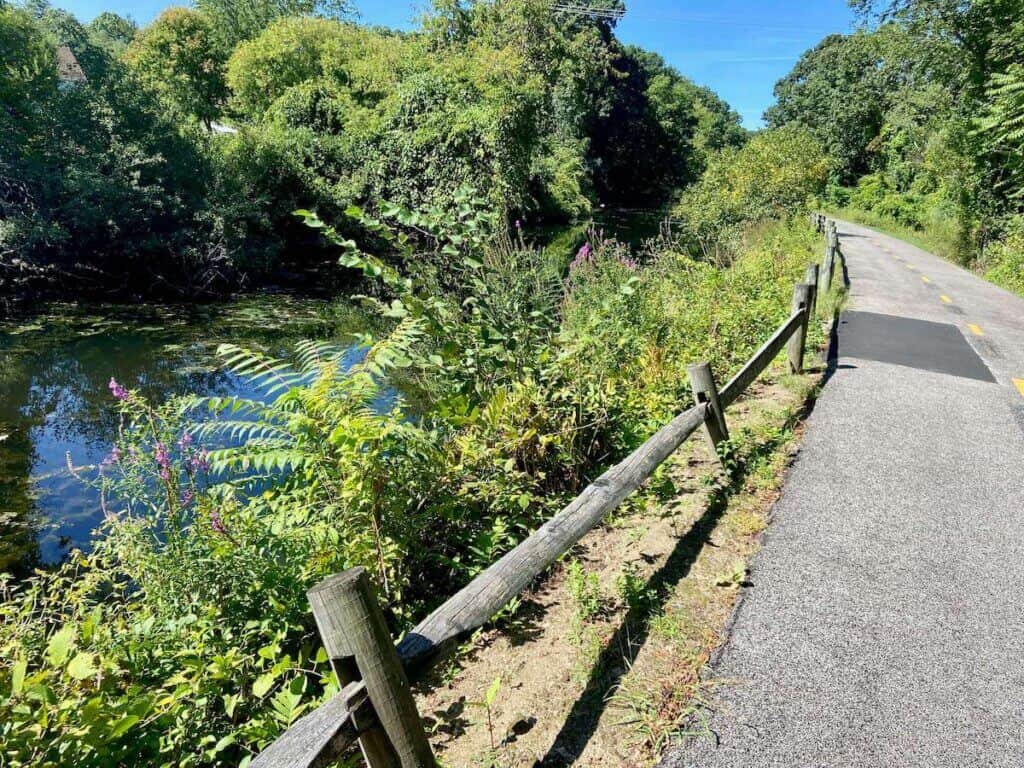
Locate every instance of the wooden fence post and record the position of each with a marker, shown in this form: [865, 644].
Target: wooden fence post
[811, 278]
[354, 632]
[795, 347]
[826, 272]
[702, 382]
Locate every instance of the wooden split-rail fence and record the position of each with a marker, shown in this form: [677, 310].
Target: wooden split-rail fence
[375, 706]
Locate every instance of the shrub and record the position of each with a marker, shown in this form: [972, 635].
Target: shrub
[1003, 261]
[773, 175]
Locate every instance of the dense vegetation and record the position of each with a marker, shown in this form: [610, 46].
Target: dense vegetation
[506, 383]
[923, 114]
[119, 183]
[506, 380]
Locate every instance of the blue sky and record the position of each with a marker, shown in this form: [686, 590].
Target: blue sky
[740, 48]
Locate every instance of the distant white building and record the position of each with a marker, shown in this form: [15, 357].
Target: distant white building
[222, 130]
[69, 71]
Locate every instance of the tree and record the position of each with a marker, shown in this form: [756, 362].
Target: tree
[178, 56]
[842, 89]
[112, 33]
[972, 26]
[238, 21]
[774, 174]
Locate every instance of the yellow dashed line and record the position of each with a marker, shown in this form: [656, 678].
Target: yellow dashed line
[946, 299]
[926, 279]
[1019, 384]
[975, 329]
[911, 266]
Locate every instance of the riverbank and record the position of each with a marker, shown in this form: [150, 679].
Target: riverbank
[55, 402]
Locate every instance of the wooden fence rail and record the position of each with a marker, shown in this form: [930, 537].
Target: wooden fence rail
[375, 708]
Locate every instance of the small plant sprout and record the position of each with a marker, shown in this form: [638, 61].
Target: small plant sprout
[490, 696]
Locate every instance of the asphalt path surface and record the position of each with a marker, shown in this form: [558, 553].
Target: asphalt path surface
[884, 621]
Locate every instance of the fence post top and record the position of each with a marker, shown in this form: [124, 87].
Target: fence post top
[338, 581]
[698, 366]
[801, 293]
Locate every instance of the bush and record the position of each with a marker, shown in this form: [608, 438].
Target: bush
[1003, 260]
[773, 175]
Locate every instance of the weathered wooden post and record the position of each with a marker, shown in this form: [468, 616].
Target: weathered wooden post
[702, 382]
[811, 278]
[795, 347]
[826, 271]
[356, 637]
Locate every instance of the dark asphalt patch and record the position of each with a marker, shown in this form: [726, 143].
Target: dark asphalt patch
[928, 346]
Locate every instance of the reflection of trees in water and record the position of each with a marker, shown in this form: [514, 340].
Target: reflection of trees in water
[19, 551]
[54, 395]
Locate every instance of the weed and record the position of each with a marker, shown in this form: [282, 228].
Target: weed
[585, 591]
[632, 588]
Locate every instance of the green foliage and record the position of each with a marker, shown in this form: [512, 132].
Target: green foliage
[773, 175]
[183, 637]
[236, 21]
[547, 112]
[98, 185]
[922, 114]
[1003, 260]
[585, 592]
[112, 33]
[177, 57]
[842, 90]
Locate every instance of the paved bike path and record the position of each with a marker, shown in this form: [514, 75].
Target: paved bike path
[884, 624]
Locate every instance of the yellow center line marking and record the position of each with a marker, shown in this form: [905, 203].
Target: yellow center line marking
[911, 266]
[926, 279]
[946, 299]
[975, 329]
[1019, 384]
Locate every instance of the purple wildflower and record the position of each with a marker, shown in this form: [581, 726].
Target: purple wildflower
[199, 462]
[185, 441]
[163, 460]
[519, 224]
[119, 392]
[187, 497]
[217, 523]
[111, 459]
[583, 256]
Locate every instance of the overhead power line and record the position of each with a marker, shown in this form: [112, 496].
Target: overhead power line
[613, 14]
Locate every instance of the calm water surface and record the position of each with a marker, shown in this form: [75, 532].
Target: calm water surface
[55, 406]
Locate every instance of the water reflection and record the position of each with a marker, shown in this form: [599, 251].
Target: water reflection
[55, 405]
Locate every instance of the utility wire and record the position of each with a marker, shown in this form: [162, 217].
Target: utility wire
[594, 13]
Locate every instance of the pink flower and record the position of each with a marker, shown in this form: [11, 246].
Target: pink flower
[163, 460]
[185, 441]
[112, 459]
[217, 523]
[199, 462]
[119, 392]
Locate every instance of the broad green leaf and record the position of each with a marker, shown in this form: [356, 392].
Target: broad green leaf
[263, 684]
[60, 645]
[82, 666]
[18, 675]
